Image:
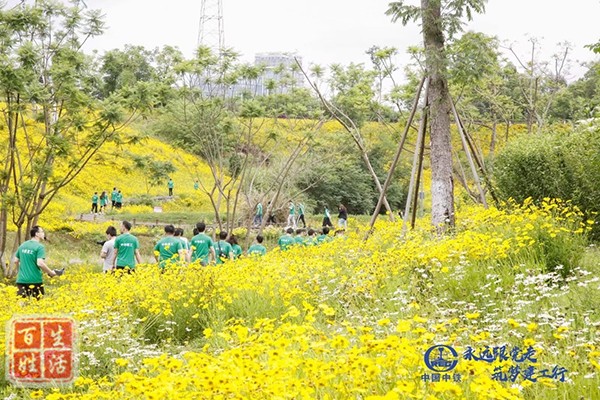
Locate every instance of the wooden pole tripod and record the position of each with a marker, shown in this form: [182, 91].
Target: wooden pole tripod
[413, 189]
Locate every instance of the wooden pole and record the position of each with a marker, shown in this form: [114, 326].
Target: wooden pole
[480, 164]
[418, 180]
[469, 157]
[414, 172]
[388, 179]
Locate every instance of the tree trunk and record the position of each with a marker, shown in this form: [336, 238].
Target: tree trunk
[442, 185]
[493, 139]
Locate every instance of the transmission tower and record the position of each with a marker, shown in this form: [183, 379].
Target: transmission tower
[211, 32]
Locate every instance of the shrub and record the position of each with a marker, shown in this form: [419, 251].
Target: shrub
[553, 166]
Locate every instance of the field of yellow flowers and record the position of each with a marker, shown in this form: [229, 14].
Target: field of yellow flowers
[512, 292]
[113, 167]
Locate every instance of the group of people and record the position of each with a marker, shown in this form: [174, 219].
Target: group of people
[296, 214]
[99, 202]
[122, 252]
[305, 237]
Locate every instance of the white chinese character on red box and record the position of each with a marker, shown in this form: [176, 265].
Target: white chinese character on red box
[40, 350]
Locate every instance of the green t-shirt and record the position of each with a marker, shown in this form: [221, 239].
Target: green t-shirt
[103, 200]
[222, 250]
[257, 249]
[28, 254]
[95, 199]
[299, 240]
[285, 242]
[200, 245]
[310, 241]
[196, 185]
[168, 250]
[301, 209]
[292, 209]
[113, 195]
[170, 184]
[327, 215]
[259, 209]
[126, 244]
[323, 238]
[237, 250]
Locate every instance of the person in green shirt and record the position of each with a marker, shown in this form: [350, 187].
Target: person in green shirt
[286, 240]
[311, 239]
[103, 201]
[259, 214]
[170, 185]
[119, 200]
[300, 236]
[325, 236]
[201, 246]
[30, 263]
[185, 242]
[327, 218]
[301, 215]
[113, 197]
[126, 249]
[169, 249]
[196, 185]
[292, 215]
[257, 248]
[237, 249]
[95, 202]
[223, 249]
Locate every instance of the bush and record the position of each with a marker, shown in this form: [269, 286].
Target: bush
[553, 166]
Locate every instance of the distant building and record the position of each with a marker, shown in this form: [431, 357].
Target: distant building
[281, 72]
[281, 75]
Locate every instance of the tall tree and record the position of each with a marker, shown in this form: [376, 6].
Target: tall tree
[54, 124]
[540, 81]
[438, 17]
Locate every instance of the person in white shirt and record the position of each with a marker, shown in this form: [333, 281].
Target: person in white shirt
[186, 242]
[108, 249]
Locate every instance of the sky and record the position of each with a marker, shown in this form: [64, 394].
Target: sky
[340, 31]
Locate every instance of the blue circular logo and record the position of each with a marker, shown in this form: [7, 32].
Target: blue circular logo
[441, 358]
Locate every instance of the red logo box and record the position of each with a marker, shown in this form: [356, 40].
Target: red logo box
[41, 350]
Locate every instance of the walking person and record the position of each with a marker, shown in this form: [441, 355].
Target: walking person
[184, 241]
[108, 249]
[171, 185]
[257, 248]
[119, 200]
[258, 215]
[95, 203]
[223, 250]
[201, 245]
[342, 217]
[169, 249]
[286, 240]
[127, 251]
[291, 221]
[300, 236]
[103, 201]
[237, 249]
[113, 198]
[301, 215]
[271, 219]
[327, 218]
[30, 263]
[324, 237]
